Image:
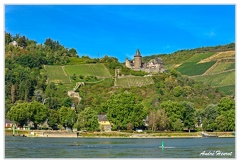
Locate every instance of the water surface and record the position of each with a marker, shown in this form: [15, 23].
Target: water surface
[25, 147]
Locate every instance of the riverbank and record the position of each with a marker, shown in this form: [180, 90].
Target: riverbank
[113, 134]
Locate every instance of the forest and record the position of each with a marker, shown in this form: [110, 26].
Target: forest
[173, 103]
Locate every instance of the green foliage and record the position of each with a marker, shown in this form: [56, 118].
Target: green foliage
[81, 60]
[219, 117]
[177, 91]
[24, 112]
[128, 71]
[230, 120]
[209, 115]
[37, 113]
[177, 125]
[53, 118]
[226, 104]
[87, 120]
[123, 109]
[188, 115]
[158, 119]
[174, 111]
[222, 123]
[179, 115]
[19, 113]
[67, 117]
[162, 95]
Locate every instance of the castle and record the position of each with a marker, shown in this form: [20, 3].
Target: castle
[155, 65]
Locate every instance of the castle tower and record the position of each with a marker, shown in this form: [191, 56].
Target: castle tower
[137, 60]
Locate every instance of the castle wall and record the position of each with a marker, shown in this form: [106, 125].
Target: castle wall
[127, 63]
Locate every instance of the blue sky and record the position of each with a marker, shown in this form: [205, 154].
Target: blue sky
[118, 30]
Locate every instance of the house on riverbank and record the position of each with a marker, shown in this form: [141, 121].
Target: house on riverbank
[104, 123]
[8, 123]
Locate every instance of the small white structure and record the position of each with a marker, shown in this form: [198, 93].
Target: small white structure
[14, 43]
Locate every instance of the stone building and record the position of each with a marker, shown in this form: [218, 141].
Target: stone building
[136, 63]
[153, 66]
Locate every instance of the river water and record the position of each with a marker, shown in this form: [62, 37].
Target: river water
[25, 147]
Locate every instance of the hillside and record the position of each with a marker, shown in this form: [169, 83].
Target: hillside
[56, 74]
[63, 74]
[133, 81]
[98, 70]
[212, 65]
[50, 82]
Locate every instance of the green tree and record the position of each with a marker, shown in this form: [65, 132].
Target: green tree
[72, 52]
[87, 120]
[163, 121]
[19, 114]
[226, 104]
[177, 91]
[123, 109]
[67, 117]
[53, 118]
[8, 38]
[37, 113]
[22, 41]
[231, 120]
[152, 120]
[174, 111]
[188, 115]
[221, 122]
[177, 125]
[210, 114]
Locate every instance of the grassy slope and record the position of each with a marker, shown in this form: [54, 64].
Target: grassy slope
[98, 70]
[56, 74]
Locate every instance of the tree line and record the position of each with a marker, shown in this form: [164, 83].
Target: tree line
[124, 112]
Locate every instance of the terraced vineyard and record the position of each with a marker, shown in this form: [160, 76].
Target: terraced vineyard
[56, 74]
[98, 70]
[193, 68]
[225, 81]
[219, 55]
[221, 66]
[133, 81]
[199, 57]
[216, 69]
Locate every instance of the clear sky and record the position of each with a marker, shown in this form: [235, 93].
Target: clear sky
[118, 30]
